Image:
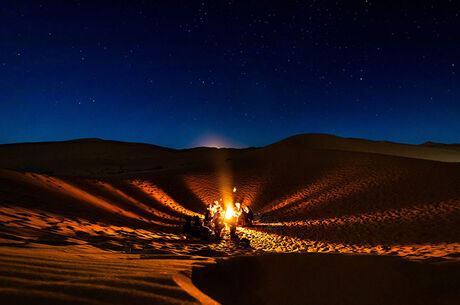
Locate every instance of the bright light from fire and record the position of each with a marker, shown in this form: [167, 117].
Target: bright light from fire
[229, 212]
[234, 189]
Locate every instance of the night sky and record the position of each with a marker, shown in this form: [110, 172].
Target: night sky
[234, 73]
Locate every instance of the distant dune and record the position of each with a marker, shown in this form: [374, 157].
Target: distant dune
[428, 151]
[66, 204]
[95, 156]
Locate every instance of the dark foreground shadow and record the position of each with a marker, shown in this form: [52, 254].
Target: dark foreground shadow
[328, 279]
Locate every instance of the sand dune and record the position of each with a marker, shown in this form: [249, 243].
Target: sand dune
[329, 279]
[93, 221]
[99, 157]
[428, 150]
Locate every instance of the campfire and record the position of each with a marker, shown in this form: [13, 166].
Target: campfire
[226, 214]
[229, 213]
[232, 211]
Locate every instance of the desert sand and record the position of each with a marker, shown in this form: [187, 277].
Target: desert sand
[98, 222]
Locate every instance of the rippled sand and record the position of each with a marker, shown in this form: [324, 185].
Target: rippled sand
[81, 230]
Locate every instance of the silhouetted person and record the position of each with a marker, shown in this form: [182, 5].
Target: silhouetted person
[187, 227]
[233, 230]
[218, 222]
[198, 230]
[208, 215]
[193, 227]
[243, 219]
[197, 221]
[248, 216]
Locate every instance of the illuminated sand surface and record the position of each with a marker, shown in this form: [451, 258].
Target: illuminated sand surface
[98, 222]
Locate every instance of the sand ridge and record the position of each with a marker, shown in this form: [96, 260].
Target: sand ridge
[128, 209]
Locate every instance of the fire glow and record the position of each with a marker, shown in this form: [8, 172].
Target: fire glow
[229, 213]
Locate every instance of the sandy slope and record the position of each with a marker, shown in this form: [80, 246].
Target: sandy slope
[86, 275]
[329, 279]
[428, 150]
[118, 207]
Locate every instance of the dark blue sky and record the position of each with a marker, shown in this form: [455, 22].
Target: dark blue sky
[181, 73]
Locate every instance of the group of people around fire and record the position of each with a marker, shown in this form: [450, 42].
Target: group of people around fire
[216, 218]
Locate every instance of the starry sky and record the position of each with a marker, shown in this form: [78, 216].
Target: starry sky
[229, 73]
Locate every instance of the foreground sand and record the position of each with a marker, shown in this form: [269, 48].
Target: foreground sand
[329, 279]
[84, 275]
[99, 222]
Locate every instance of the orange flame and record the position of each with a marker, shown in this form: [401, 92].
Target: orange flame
[229, 213]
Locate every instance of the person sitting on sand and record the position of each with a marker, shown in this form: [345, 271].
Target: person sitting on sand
[208, 214]
[246, 217]
[218, 223]
[250, 215]
[198, 230]
[193, 227]
[187, 227]
[233, 220]
[237, 207]
[237, 210]
[243, 218]
[220, 203]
